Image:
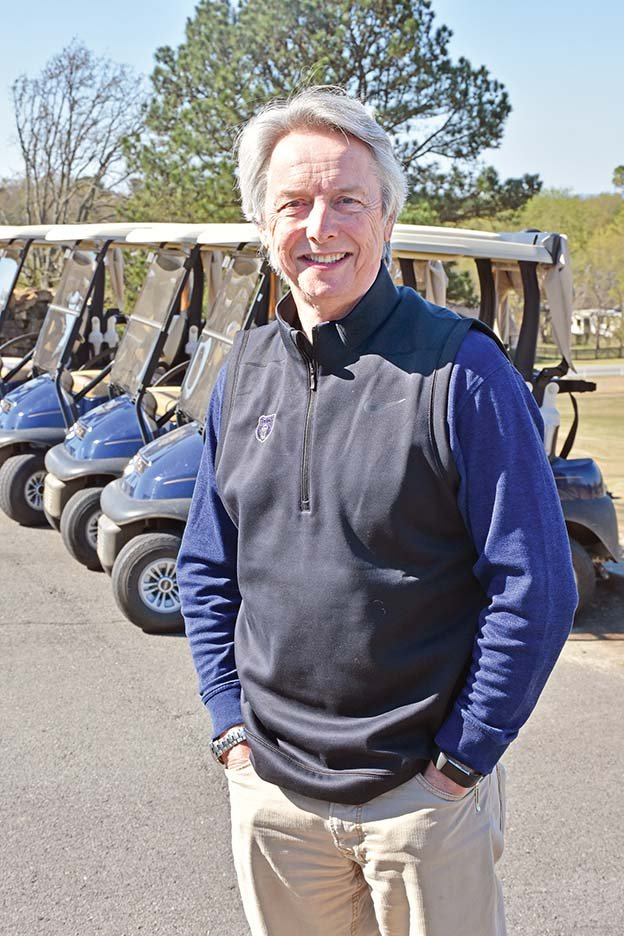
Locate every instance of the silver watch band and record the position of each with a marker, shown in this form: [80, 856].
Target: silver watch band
[227, 741]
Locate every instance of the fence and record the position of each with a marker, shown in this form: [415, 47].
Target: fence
[550, 353]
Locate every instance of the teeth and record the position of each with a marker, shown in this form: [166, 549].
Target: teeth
[325, 258]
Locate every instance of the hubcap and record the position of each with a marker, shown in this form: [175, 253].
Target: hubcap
[158, 586]
[91, 529]
[33, 492]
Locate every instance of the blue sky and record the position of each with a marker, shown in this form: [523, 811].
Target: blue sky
[562, 64]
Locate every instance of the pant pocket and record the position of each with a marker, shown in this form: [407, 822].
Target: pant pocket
[498, 807]
[501, 777]
[442, 794]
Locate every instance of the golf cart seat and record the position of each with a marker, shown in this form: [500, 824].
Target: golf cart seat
[9, 362]
[166, 398]
[81, 379]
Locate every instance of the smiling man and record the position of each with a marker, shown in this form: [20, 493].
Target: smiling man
[366, 574]
[325, 225]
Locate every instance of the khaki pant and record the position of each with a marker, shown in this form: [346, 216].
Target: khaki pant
[412, 862]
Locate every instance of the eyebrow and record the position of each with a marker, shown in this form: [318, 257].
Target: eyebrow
[295, 193]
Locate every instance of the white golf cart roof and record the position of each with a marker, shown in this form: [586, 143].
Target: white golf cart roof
[118, 231]
[213, 235]
[229, 235]
[165, 233]
[450, 243]
[24, 232]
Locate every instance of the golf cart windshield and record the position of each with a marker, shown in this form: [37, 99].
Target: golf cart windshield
[149, 319]
[8, 271]
[241, 279]
[62, 319]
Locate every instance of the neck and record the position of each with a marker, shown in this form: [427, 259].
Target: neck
[310, 315]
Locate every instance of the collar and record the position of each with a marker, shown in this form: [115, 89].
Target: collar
[334, 343]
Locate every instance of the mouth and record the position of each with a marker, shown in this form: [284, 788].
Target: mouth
[325, 260]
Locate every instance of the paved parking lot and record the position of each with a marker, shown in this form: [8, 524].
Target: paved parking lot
[113, 819]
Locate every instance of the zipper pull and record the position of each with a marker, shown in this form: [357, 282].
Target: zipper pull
[477, 797]
[313, 360]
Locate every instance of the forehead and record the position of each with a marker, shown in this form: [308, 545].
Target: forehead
[320, 156]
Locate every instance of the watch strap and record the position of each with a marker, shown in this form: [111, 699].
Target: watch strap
[227, 741]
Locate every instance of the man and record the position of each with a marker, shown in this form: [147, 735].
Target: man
[368, 574]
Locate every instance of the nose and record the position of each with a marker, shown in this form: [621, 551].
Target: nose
[320, 225]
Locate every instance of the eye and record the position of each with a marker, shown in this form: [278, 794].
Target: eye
[348, 201]
[293, 204]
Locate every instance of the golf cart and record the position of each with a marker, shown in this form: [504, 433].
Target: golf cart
[147, 508]
[155, 347]
[77, 334]
[16, 243]
[144, 512]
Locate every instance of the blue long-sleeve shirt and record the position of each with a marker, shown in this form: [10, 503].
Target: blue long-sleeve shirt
[509, 503]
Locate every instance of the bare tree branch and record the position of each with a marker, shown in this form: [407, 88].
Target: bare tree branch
[71, 121]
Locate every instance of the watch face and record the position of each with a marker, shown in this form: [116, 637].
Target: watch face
[459, 773]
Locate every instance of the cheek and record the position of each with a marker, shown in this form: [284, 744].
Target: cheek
[282, 237]
[371, 242]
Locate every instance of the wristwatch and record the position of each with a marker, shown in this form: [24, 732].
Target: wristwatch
[453, 769]
[227, 741]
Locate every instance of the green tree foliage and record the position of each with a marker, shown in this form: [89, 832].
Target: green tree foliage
[601, 267]
[467, 194]
[595, 229]
[575, 215]
[236, 56]
[461, 287]
[618, 178]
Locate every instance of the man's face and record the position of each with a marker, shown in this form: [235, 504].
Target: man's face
[323, 219]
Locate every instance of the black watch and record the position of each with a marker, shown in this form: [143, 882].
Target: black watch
[453, 769]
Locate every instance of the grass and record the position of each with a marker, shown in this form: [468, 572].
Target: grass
[601, 433]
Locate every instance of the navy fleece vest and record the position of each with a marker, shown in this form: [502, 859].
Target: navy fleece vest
[355, 568]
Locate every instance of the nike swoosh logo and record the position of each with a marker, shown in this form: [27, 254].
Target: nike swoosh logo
[372, 407]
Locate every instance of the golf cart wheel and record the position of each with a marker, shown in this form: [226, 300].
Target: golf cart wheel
[145, 585]
[584, 573]
[21, 489]
[79, 523]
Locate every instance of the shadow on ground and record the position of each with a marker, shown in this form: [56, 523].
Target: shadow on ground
[604, 618]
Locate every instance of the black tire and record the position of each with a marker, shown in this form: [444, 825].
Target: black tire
[21, 489]
[79, 526]
[144, 583]
[584, 573]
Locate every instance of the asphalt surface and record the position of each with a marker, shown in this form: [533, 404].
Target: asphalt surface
[113, 820]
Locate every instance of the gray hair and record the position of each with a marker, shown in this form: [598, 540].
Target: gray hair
[322, 108]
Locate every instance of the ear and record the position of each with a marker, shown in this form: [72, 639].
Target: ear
[388, 228]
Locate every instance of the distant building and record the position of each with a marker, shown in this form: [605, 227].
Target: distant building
[589, 323]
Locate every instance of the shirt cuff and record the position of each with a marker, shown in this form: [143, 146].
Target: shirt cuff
[224, 709]
[473, 743]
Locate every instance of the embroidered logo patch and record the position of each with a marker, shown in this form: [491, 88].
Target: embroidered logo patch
[265, 427]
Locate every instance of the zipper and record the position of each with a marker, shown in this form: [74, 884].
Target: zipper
[477, 797]
[304, 501]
